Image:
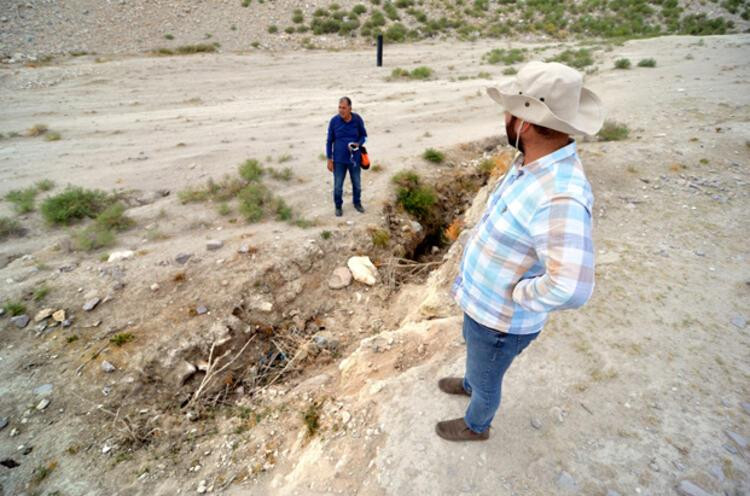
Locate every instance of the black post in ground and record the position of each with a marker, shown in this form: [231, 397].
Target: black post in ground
[380, 50]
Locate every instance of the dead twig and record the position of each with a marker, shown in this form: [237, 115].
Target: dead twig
[211, 373]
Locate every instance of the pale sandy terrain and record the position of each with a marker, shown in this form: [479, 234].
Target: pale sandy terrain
[633, 393]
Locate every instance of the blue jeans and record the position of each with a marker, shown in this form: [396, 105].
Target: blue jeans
[339, 174]
[489, 353]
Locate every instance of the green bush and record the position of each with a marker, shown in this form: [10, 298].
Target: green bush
[396, 33]
[420, 73]
[22, 199]
[10, 227]
[251, 170]
[359, 9]
[298, 17]
[433, 155]
[113, 218]
[74, 204]
[380, 238]
[647, 63]
[622, 64]
[52, 136]
[14, 308]
[253, 199]
[273, 29]
[45, 184]
[391, 11]
[199, 48]
[415, 198]
[613, 131]
[506, 57]
[509, 71]
[326, 234]
[92, 238]
[285, 175]
[575, 58]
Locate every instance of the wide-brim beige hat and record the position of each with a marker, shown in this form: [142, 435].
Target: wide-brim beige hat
[551, 95]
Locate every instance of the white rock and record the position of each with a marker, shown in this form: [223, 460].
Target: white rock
[363, 270]
[108, 367]
[43, 314]
[120, 255]
[154, 287]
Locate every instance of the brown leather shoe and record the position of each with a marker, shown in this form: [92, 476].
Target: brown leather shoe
[453, 385]
[456, 430]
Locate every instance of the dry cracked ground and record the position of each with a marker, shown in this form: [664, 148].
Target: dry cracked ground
[238, 370]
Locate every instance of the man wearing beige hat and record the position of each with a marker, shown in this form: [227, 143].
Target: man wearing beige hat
[531, 252]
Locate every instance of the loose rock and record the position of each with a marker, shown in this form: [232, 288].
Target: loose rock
[566, 482]
[739, 440]
[202, 487]
[214, 244]
[536, 423]
[120, 255]
[154, 287]
[687, 488]
[340, 278]
[44, 390]
[363, 270]
[3, 423]
[182, 258]
[201, 310]
[739, 321]
[108, 367]
[326, 340]
[90, 304]
[43, 404]
[20, 321]
[43, 314]
[59, 316]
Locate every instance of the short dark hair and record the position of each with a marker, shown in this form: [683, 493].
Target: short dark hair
[547, 132]
[346, 99]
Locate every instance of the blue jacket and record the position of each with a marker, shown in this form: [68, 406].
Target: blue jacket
[340, 134]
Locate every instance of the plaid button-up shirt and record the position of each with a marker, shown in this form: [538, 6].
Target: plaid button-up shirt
[531, 252]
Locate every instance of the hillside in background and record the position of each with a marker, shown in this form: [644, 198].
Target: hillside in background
[35, 29]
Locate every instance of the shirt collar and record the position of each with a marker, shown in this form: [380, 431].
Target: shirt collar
[547, 160]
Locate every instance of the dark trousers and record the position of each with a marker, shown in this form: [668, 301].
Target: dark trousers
[339, 174]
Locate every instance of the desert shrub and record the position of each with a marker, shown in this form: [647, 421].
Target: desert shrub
[113, 218]
[22, 199]
[282, 210]
[44, 184]
[37, 130]
[359, 9]
[52, 136]
[311, 417]
[40, 293]
[251, 170]
[701, 25]
[10, 227]
[74, 204]
[121, 338]
[433, 155]
[391, 11]
[412, 195]
[192, 195]
[14, 308]
[509, 71]
[622, 64]
[273, 28]
[647, 63]
[575, 58]
[420, 73]
[396, 32]
[298, 17]
[92, 238]
[380, 238]
[253, 199]
[613, 131]
[281, 175]
[505, 57]
[326, 234]
[289, 30]
[168, 36]
[328, 25]
[199, 48]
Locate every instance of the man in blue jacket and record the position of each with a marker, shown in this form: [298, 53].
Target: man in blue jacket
[346, 134]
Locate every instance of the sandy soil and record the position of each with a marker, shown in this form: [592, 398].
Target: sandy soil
[633, 393]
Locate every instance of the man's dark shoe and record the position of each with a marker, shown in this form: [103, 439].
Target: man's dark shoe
[339, 212]
[456, 430]
[359, 208]
[453, 385]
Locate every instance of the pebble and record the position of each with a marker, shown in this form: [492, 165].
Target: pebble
[341, 278]
[154, 287]
[182, 258]
[244, 249]
[202, 487]
[90, 304]
[214, 244]
[43, 314]
[44, 390]
[14, 432]
[201, 310]
[20, 321]
[717, 472]
[2, 312]
[43, 404]
[59, 316]
[730, 448]
[108, 367]
[687, 488]
[745, 406]
[345, 417]
[566, 482]
[3, 423]
[120, 255]
[739, 321]
[739, 439]
[326, 340]
[67, 323]
[536, 423]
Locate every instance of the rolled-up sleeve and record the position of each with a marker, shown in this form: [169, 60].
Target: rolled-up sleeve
[561, 232]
